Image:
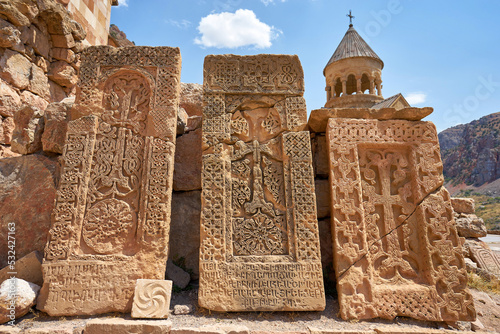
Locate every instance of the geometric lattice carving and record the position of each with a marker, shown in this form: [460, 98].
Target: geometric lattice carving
[111, 220]
[396, 248]
[259, 231]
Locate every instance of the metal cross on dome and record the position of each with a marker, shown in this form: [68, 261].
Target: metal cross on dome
[350, 17]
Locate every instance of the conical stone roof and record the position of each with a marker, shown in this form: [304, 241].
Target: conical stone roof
[352, 45]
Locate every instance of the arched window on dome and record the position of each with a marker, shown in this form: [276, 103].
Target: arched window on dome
[351, 84]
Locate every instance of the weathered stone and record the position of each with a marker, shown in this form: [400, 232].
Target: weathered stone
[463, 205]
[28, 268]
[39, 84]
[318, 119]
[152, 299]
[62, 73]
[183, 309]
[8, 329]
[191, 98]
[121, 326]
[52, 329]
[400, 330]
[13, 14]
[39, 41]
[16, 298]
[63, 54]
[42, 63]
[63, 41]
[15, 69]
[320, 156]
[6, 152]
[10, 36]
[185, 229]
[9, 100]
[6, 130]
[117, 226]
[27, 136]
[392, 223]
[30, 99]
[470, 226]
[177, 275]
[57, 93]
[56, 123]
[325, 240]
[193, 123]
[258, 200]
[187, 172]
[485, 258]
[27, 193]
[313, 330]
[182, 117]
[322, 189]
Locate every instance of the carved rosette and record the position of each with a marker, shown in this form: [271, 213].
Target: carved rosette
[259, 228]
[396, 249]
[113, 205]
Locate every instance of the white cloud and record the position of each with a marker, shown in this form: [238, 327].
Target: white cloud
[182, 24]
[268, 2]
[233, 30]
[416, 98]
[122, 3]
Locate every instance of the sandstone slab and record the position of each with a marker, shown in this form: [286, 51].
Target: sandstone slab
[191, 99]
[28, 268]
[7, 130]
[111, 219]
[9, 35]
[463, 205]
[16, 298]
[39, 84]
[121, 326]
[187, 171]
[152, 299]
[396, 249]
[470, 226]
[33, 100]
[15, 69]
[62, 73]
[485, 258]
[56, 118]
[27, 193]
[259, 229]
[27, 135]
[9, 100]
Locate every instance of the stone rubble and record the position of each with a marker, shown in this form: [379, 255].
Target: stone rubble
[16, 298]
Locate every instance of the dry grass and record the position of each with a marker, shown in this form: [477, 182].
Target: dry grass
[477, 282]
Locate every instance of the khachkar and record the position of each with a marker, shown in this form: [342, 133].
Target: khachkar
[111, 220]
[396, 248]
[259, 236]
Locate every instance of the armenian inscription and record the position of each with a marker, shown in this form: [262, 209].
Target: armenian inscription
[396, 248]
[110, 224]
[259, 234]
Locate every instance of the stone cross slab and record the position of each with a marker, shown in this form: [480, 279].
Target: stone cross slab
[111, 221]
[259, 233]
[396, 248]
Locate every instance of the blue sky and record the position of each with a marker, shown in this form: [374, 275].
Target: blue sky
[442, 54]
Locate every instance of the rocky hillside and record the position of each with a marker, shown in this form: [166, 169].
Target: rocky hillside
[471, 156]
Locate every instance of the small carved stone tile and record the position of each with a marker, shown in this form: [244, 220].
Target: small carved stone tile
[152, 299]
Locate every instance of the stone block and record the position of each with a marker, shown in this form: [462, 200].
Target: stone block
[406, 330]
[9, 100]
[27, 135]
[18, 293]
[485, 258]
[15, 69]
[182, 309]
[28, 268]
[325, 239]
[182, 117]
[6, 130]
[57, 93]
[117, 227]
[395, 246]
[10, 36]
[259, 227]
[177, 275]
[56, 123]
[30, 99]
[187, 172]
[37, 40]
[152, 299]
[313, 330]
[193, 123]
[54, 329]
[62, 73]
[9, 10]
[463, 205]
[63, 41]
[191, 98]
[185, 229]
[27, 194]
[121, 326]
[66, 55]
[470, 226]
[8, 329]
[42, 63]
[39, 84]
